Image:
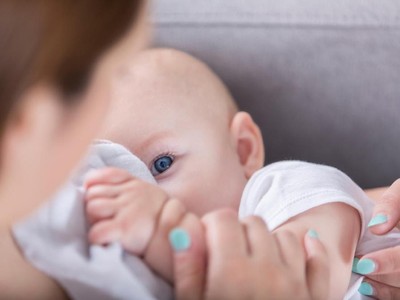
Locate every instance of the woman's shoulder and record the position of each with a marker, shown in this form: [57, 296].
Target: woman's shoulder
[19, 279]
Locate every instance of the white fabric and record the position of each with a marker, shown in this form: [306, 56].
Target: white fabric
[54, 239]
[283, 190]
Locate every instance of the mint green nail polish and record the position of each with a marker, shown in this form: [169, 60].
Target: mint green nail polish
[366, 289]
[179, 239]
[312, 234]
[354, 267]
[365, 266]
[377, 220]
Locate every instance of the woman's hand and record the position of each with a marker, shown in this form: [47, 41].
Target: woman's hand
[246, 261]
[383, 267]
[387, 211]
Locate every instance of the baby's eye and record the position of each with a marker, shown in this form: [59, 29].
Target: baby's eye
[161, 164]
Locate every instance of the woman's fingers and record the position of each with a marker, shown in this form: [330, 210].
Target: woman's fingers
[260, 241]
[226, 231]
[379, 290]
[238, 254]
[228, 257]
[386, 213]
[392, 279]
[317, 266]
[386, 261]
[291, 252]
[188, 244]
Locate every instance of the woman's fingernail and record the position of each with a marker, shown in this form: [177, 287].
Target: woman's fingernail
[377, 220]
[313, 234]
[366, 289]
[354, 267]
[179, 239]
[365, 266]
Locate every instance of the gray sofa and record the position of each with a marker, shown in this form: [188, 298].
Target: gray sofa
[321, 77]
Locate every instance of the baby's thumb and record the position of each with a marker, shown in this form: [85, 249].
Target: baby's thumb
[386, 213]
[317, 266]
[187, 242]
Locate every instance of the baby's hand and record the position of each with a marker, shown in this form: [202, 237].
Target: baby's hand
[122, 208]
[139, 215]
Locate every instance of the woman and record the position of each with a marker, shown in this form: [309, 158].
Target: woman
[52, 100]
[58, 58]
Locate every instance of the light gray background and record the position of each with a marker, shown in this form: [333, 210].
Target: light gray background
[320, 77]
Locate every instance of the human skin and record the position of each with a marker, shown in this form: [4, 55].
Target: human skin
[147, 236]
[385, 277]
[140, 215]
[186, 115]
[38, 151]
[376, 193]
[261, 263]
[137, 214]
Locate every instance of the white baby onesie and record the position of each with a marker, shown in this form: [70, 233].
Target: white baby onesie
[285, 189]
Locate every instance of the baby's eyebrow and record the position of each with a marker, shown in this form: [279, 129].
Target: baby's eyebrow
[155, 137]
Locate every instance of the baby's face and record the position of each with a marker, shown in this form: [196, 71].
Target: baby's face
[184, 140]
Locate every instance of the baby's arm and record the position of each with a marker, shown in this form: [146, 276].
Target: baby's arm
[139, 215]
[338, 226]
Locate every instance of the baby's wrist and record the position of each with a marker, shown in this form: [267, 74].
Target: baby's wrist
[158, 257]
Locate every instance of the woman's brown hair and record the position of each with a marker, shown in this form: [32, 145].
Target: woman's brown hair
[57, 42]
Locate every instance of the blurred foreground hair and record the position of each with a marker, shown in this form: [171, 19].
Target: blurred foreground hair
[56, 42]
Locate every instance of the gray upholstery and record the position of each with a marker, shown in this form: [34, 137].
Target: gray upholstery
[321, 77]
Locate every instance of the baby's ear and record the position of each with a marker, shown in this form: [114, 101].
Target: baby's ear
[249, 142]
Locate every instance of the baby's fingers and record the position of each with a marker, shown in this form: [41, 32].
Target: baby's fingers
[103, 191]
[107, 175]
[105, 232]
[105, 208]
[101, 209]
[317, 266]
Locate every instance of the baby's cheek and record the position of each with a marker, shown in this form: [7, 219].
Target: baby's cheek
[182, 191]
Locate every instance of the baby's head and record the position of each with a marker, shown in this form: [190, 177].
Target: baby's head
[177, 116]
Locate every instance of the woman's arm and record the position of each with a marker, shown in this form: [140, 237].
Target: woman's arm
[20, 280]
[338, 226]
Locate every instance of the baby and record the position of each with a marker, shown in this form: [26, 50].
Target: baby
[177, 116]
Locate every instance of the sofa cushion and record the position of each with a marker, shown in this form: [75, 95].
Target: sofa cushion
[320, 77]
